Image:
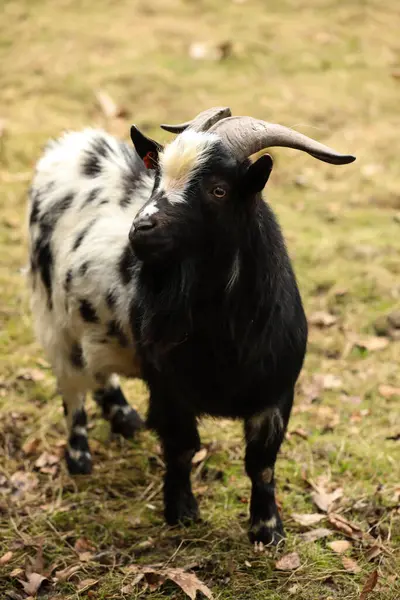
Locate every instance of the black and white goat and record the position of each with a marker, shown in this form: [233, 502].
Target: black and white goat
[166, 264]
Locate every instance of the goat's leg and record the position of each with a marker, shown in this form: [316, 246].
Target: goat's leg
[123, 418]
[77, 453]
[180, 440]
[264, 435]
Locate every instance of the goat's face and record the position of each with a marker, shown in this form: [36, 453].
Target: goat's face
[201, 191]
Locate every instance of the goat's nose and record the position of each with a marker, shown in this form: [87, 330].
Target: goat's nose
[144, 223]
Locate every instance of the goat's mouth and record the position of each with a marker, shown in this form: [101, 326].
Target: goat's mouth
[150, 244]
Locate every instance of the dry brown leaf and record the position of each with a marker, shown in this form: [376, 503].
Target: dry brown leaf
[387, 391]
[23, 482]
[322, 319]
[199, 456]
[85, 556]
[345, 526]
[288, 562]
[372, 343]
[315, 534]
[84, 545]
[340, 546]
[350, 565]
[46, 460]
[188, 582]
[33, 583]
[325, 500]
[38, 562]
[299, 432]
[31, 446]
[308, 519]
[202, 51]
[31, 375]
[110, 109]
[372, 553]
[369, 585]
[6, 558]
[86, 584]
[17, 572]
[66, 573]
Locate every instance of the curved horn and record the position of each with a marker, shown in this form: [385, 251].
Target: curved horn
[203, 121]
[245, 136]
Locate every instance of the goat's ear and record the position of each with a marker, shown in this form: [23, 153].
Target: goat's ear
[146, 148]
[258, 174]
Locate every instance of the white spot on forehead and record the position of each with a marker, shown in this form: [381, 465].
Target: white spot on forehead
[150, 209]
[181, 159]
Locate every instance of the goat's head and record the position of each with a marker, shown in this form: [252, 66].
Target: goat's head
[205, 182]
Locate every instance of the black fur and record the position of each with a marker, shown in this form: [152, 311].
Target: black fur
[111, 299]
[91, 166]
[114, 330]
[77, 356]
[87, 311]
[126, 264]
[91, 197]
[215, 343]
[42, 256]
[115, 408]
[80, 237]
[68, 280]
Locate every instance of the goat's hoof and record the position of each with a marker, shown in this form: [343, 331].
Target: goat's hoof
[183, 509]
[79, 462]
[126, 422]
[268, 531]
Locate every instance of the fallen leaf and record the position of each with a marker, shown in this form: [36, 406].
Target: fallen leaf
[369, 585]
[65, 574]
[85, 556]
[299, 432]
[202, 51]
[6, 558]
[33, 583]
[387, 391]
[372, 343]
[308, 519]
[350, 565]
[315, 534]
[31, 446]
[31, 375]
[199, 456]
[325, 500]
[38, 562]
[288, 562]
[188, 582]
[350, 529]
[23, 482]
[83, 545]
[372, 553]
[17, 572]
[87, 583]
[340, 546]
[46, 459]
[322, 319]
[110, 109]
[330, 382]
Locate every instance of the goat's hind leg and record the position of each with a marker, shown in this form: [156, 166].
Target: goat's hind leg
[77, 453]
[264, 435]
[123, 418]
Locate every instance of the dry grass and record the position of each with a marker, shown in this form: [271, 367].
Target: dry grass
[332, 70]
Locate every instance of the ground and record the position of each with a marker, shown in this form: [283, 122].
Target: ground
[330, 69]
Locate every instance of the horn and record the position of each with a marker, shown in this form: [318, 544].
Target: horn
[245, 136]
[202, 122]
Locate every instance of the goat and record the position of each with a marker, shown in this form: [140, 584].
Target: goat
[167, 264]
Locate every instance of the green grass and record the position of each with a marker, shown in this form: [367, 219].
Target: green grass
[328, 68]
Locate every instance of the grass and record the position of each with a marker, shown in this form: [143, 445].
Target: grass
[332, 70]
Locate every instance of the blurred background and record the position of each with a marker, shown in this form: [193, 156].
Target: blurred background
[327, 68]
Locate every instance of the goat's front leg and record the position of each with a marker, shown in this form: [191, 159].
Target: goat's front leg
[264, 435]
[177, 430]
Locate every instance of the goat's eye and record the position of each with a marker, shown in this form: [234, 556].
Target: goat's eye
[219, 192]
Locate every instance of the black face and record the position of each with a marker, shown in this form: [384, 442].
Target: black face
[210, 202]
